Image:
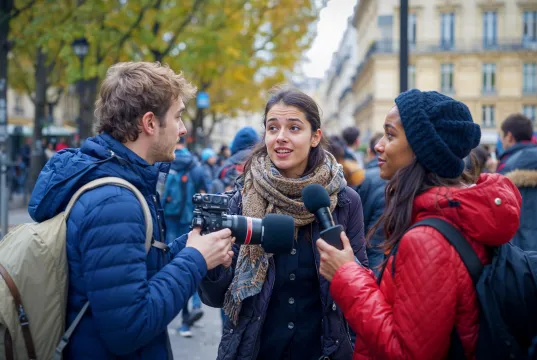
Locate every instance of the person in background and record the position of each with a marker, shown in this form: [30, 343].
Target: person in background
[478, 160]
[243, 142]
[49, 151]
[208, 163]
[61, 145]
[278, 306]
[354, 175]
[351, 135]
[425, 291]
[371, 192]
[519, 163]
[185, 179]
[223, 155]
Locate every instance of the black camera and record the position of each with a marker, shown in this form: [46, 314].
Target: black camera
[274, 232]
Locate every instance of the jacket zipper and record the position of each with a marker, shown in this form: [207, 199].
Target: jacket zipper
[160, 227]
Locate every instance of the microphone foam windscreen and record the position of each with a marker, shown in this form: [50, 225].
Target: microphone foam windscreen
[279, 233]
[315, 197]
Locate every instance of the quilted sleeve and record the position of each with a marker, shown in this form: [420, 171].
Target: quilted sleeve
[419, 323]
[128, 309]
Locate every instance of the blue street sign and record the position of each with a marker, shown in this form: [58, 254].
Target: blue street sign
[202, 100]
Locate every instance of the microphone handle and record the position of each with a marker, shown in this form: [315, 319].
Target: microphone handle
[332, 235]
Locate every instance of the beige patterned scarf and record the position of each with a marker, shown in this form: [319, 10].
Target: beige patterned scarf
[266, 191]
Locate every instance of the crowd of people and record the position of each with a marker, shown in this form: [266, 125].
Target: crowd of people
[397, 289]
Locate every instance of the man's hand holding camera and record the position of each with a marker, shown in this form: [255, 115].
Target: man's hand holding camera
[215, 247]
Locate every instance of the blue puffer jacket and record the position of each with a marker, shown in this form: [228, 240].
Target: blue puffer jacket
[371, 191]
[133, 296]
[519, 164]
[241, 342]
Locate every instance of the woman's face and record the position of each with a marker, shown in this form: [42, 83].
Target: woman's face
[289, 138]
[394, 151]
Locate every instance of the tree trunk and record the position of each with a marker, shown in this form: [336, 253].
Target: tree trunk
[37, 160]
[198, 131]
[87, 108]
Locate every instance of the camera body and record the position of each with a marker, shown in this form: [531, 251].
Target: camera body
[210, 212]
[275, 232]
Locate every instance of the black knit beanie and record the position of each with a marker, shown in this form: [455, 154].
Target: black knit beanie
[439, 129]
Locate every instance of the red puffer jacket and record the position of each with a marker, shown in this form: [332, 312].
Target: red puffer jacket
[413, 312]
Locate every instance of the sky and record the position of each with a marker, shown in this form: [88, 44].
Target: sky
[330, 29]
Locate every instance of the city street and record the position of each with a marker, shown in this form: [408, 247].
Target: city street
[203, 344]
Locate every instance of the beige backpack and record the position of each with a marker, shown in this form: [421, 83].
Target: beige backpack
[33, 293]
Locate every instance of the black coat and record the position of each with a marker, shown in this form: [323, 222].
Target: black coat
[371, 193]
[241, 342]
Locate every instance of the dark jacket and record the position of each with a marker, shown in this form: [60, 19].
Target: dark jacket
[242, 341]
[133, 296]
[520, 166]
[228, 173]
[372, 195]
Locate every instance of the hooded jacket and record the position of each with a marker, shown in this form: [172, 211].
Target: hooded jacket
[133, 296]
[429, 292]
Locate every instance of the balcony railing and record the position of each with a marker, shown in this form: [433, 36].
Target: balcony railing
[458, 46]
[363, 104]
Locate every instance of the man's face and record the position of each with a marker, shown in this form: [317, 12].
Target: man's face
[508, 140]
[170, 130]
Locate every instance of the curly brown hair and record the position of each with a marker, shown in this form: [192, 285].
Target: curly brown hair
[132, 89]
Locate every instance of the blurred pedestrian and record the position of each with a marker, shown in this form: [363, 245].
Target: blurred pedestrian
[371, 193]
[223, 155]
[519, 163]
[354, 175]
[241, 147]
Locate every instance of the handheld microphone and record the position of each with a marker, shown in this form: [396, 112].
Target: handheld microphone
[317, 202]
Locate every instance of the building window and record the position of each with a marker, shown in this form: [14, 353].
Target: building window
[412, 29]
[490, 28]
[447, 30]
[488, 116]
[531, 112]
[489, 78]
[446, 81]
[530, 26]
[411, 76]
[529, 85]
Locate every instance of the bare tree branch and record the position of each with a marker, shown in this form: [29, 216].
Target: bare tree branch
[128, 34]
[182, 27]
[16, 12]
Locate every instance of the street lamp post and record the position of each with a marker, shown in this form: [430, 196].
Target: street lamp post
[80, 48]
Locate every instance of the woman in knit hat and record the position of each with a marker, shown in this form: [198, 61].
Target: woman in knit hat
[278, 306]
[425, 296]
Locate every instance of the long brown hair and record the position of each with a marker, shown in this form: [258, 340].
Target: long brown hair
[310, 109]
[407, 183]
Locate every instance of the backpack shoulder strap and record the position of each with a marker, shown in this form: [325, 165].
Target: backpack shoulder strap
[459, 242]
[125, 184]
[148, 237]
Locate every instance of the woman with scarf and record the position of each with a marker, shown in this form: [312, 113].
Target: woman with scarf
[424, 304]
[278, 305]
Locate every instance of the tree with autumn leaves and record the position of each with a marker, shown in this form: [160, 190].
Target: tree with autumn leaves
[234, 50]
